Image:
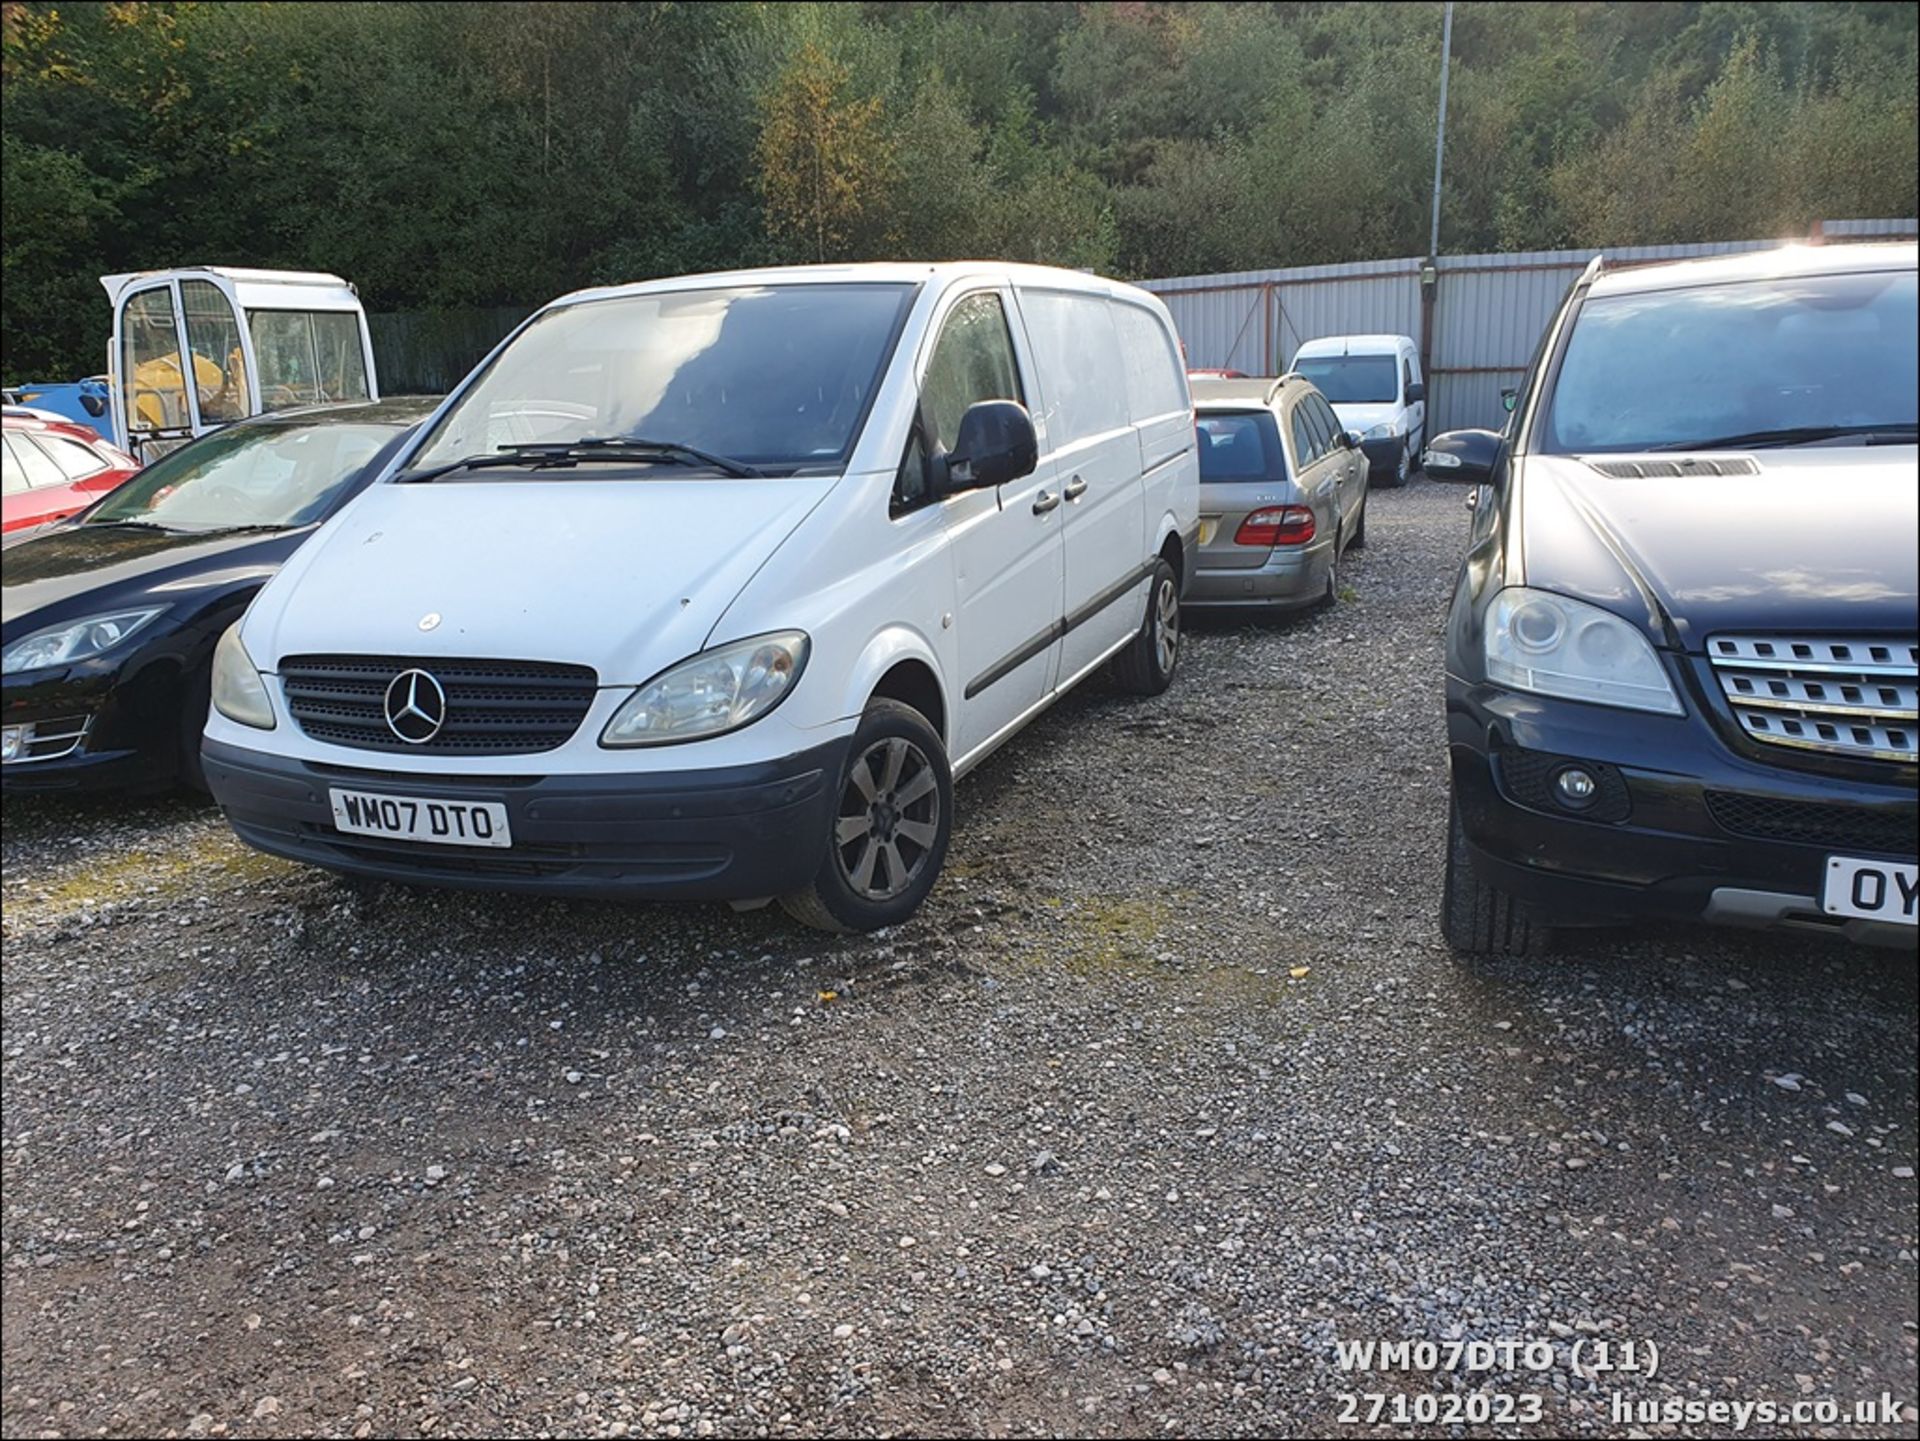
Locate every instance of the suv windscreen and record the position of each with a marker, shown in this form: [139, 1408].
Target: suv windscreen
[1239, 445]
[775, 376]
[1353, 379]
[246, 476]
[1669, 369]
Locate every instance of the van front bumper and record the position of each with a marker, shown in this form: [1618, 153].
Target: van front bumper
[737, 833]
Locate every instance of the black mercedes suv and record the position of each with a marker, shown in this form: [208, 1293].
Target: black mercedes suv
[1681, 660]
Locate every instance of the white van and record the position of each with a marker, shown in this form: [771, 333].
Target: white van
[1374, 384]
[709, 588]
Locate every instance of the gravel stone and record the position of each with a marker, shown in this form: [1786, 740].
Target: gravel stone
[1212, 911]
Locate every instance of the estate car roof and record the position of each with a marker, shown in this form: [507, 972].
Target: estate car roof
[1218, 392]
[1785, 260]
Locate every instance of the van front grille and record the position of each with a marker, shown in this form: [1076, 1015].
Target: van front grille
[1851, 697]
[493, 707]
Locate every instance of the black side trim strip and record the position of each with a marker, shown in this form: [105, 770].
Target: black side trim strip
[1166, 460]
[1107, 597]
[1006, 666]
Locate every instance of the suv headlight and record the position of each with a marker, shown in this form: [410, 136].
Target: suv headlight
[239, 693]
[75, 640]
[717, 691]
[1550, 645]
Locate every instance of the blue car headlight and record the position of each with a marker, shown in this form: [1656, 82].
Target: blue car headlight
[76, 640]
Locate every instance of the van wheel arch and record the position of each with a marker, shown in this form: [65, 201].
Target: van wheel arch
[912, 683]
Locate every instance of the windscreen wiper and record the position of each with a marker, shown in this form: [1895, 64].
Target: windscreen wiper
[607, 448]
[1885, 434]
[666, 450]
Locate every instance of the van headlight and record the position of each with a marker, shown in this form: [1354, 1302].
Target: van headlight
[75, 640]
[717, 691]
[1383, 431]
[239, 693]
[1550, 645]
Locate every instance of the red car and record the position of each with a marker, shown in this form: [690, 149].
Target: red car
[1205, 374]
[53, 468]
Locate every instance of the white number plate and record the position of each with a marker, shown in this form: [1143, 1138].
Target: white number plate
[1874, 890]
[405, 818]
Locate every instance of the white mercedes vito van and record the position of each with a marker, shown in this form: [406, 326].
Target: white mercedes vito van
[710, 587]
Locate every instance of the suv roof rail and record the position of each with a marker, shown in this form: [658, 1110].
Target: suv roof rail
[1281, 380]
[1594, 267]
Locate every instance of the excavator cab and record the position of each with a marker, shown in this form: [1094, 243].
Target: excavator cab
[193, 349]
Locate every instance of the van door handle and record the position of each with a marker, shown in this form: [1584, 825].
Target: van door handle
[1076, 488]
[1045, 501]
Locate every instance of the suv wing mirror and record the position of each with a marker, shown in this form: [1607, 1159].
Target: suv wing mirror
[1469, 455]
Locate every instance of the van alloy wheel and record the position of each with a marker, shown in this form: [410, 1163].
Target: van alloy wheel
[1166, 623]
[889, 818]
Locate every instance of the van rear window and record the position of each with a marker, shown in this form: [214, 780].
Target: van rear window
[1239, 446]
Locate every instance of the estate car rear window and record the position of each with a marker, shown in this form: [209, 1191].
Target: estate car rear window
[1239, 445]
[1743, 362]
[775, 376]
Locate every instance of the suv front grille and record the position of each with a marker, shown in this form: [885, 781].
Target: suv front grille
[1813, 823]
[1846, 697]
[493, 707]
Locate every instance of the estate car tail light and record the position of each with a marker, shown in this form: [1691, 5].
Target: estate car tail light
[1277, 525]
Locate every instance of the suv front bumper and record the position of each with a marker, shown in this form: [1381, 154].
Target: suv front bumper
[1683, 827]
[738, 833]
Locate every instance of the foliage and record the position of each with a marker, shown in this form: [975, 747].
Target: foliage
[494, 154]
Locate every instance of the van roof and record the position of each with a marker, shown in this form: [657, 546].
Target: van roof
[877, 273]
[1353, 345]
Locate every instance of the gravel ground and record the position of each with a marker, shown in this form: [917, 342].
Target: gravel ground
[1169, 1089]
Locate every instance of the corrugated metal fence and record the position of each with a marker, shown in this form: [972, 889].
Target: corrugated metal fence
[1488, 311]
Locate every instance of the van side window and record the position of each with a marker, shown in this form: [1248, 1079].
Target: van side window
[1077, 352]
[1153, 365]
[1406, 377]
[972, 361]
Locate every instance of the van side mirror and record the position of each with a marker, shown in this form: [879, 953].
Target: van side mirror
[1416, 393]
[1468, 455]
[996, 444]
[93, 404]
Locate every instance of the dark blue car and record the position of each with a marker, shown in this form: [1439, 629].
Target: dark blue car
[110, 619]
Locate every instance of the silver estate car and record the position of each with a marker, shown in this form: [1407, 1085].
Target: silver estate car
[1283, 493]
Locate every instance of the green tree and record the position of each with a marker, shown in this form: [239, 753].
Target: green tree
[824, 158]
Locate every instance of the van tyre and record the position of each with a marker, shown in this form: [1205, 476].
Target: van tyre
[1476, 918]
[1147, 665]
[891, 822]
[1402, 470]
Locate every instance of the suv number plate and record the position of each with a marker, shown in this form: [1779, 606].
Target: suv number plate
[1872, 890]
[407, 818]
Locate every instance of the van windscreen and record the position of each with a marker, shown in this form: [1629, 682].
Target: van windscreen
[1353, 379]
[776, 376]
